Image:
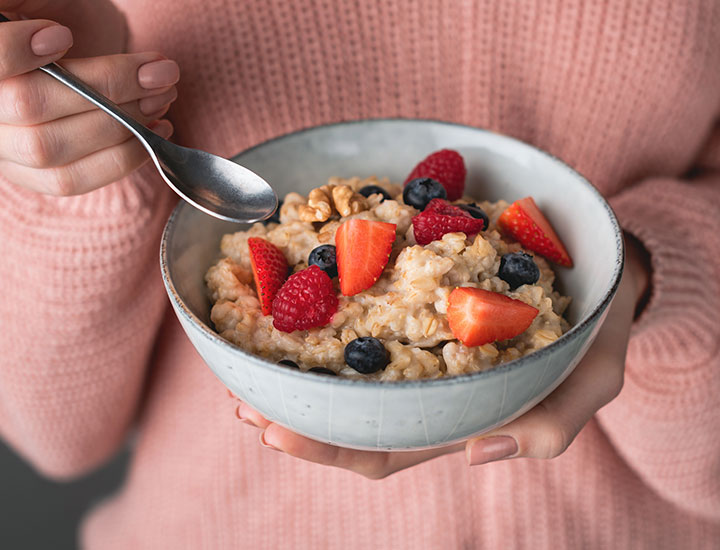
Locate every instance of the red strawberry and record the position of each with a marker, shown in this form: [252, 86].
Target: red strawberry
[478, 317]
[524, 222]
[306, 300]
[363, 250]
[270, 269]
[440, 217]
[445, 166]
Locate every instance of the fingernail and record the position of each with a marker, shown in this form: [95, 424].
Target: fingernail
[51, 40]
[158, 74]
[150, 105]
[163, 128]
[265, 444]
[491, 449]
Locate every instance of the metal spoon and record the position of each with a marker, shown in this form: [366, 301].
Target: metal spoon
[213, 184]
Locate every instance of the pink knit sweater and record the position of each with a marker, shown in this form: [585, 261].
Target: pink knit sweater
[626, 92]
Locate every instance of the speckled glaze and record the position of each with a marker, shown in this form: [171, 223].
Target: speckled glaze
[412, 414]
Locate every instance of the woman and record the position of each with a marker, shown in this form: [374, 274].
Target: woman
[624, 92]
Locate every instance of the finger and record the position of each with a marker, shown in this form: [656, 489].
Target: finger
[249, 415]
[27, 45]
[371, 464]
[548, 429]
[88, 173]
[65, 140]
[35, 97]
[33, 8]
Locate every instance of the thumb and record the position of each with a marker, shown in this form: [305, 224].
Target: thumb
[27, 45]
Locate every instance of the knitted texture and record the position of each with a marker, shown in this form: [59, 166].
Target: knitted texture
[626, 92]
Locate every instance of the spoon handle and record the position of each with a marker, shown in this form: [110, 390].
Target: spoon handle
[145, 135]
[102, 102]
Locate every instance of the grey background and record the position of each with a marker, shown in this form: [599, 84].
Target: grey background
[36, 513]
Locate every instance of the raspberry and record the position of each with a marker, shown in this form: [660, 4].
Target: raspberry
[441, 217]
[447, 167]
[306, 300]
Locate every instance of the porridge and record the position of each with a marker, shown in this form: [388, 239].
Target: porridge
[365, 278]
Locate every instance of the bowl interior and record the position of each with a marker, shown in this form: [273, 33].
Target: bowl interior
[498, 168]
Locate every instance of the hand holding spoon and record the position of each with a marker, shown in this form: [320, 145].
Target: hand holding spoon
[213, 184]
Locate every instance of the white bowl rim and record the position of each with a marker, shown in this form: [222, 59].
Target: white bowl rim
[574, 332]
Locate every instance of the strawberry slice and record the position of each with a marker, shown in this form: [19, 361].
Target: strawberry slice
[478, 317]
[270, 269]
[446, 166]
[524, 222]
[363, 250]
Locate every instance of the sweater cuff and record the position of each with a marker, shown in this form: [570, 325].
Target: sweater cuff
[678, 225]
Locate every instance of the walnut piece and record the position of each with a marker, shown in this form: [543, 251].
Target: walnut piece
[323, 202]
[319, 207]
[347, 201]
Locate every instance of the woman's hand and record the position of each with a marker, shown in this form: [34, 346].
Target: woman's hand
[51, 139]
[548, 429]
[543, 432]
[370, 464]
[99, 28]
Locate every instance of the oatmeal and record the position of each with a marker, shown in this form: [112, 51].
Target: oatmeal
[398, 325]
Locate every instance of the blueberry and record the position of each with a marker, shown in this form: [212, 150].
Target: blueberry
[476, 212]
[289, 363]
[275, 218]
[323, 370]
[324, 257]
[420, 191]
[518, 269]
[366, 355]
[374, 189]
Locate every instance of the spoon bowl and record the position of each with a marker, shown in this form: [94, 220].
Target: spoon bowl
[211, 183]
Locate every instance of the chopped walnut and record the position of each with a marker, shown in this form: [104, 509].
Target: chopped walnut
[324, 202]
[347, 201]
[320, 205]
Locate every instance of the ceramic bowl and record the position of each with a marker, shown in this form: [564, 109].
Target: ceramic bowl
[409, 414]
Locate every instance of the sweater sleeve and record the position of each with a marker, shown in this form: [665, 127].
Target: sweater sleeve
[666, 421]
[81, 301]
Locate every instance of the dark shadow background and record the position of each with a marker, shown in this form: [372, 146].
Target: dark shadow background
[36, 513]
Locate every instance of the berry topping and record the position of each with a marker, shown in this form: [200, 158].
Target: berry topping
[374, 190]
[324, 257]
[441, 217]
[517, 269]
[306, 300]
[323, 370]
[288, 363]
[526, 224]
[270, 269]
[366, 355]
[420, 191]
[445, 166]
[363, 251]
[275, 218]
[477, 317]
[476, 212]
